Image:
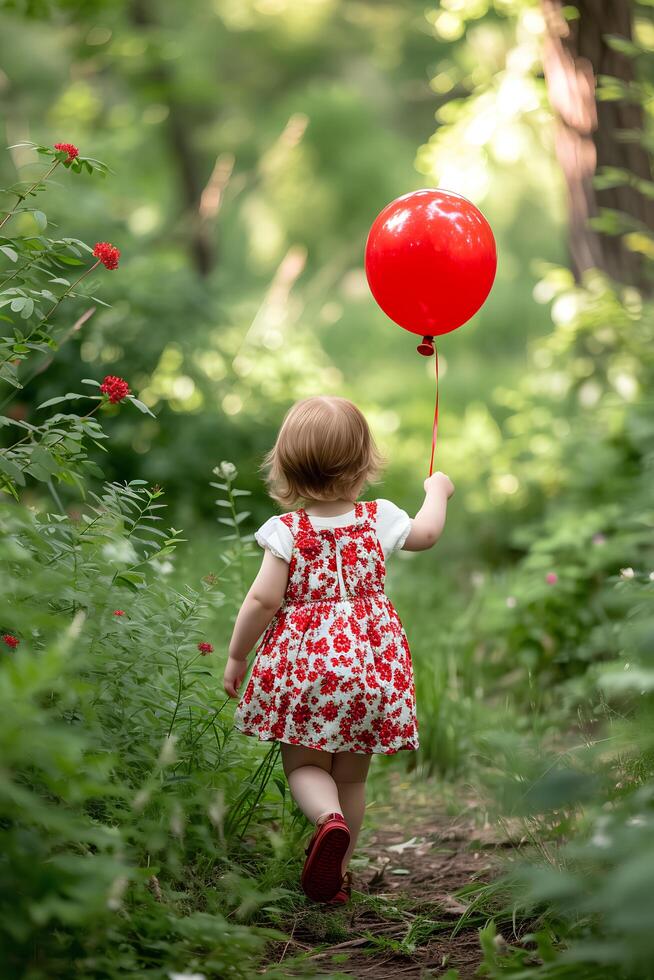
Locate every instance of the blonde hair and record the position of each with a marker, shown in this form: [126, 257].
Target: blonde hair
[324, 451]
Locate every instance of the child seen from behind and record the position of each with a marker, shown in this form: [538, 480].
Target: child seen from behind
[332, 679]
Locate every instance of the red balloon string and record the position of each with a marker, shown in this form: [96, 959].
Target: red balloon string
[434, 431]
[427, 347]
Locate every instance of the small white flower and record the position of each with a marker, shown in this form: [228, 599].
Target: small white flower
[163, 567]
[217, 810]
[627, 573]
[141, 799]
[651, 576]
[511, 602]
[601, 840]
[227, 469]
[187, 976]
[168, 755]
[177, 821]
[120, 551]
[116, 892]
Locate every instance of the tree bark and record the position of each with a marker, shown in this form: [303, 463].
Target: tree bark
[200, 243]
[592, 134]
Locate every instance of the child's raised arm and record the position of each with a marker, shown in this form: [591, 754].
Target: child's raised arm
[429, 522]
[259, 606]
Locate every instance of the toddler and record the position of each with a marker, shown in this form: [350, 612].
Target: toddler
[333, 679]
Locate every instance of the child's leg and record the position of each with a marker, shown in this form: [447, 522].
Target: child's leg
[310, 780]
[350, 771]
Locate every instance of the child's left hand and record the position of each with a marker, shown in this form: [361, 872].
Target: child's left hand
[235, 671]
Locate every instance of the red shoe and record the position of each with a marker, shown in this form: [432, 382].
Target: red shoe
[344, 893]
[321, 875]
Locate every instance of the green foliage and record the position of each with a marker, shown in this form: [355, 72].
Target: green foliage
[119, 768]
[127, 813]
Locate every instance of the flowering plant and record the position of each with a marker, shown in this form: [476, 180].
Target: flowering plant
[112, 734]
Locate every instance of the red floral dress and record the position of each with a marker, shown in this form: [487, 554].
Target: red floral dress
[333, 670]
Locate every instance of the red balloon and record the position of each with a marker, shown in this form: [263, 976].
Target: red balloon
[430, 261]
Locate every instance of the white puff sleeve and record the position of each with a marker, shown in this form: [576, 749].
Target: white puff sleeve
[393, 526]
[276, 537]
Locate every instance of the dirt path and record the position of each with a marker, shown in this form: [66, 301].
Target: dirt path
[405, 918]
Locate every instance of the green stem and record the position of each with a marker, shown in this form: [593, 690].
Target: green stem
[180, 689]
[23, 197]
[17, 272]
[55, 443]
[47, 316]
[239, 541]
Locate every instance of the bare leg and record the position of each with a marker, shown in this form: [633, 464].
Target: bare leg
[350, 771]
[308, 772]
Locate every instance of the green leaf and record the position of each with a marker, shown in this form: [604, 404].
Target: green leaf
[40, 219]
[622, 44]
[9, 252]
[28, 309]
[13, 471]
[38, 472]
[41, 457]
[69, 260]
[134, 579]
[141, 407]
[91, 381]
[71, 396]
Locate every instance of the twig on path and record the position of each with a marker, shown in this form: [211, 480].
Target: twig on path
[289, 941]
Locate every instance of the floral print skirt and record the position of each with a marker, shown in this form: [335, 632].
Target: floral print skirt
[333, 675]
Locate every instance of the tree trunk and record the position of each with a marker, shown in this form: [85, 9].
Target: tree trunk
[592, 134]
[200, 243]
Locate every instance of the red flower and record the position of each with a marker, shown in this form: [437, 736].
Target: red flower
[119, 612]
[108, 254]
[321, 647]
[205, 649]
[68, 148]
[341, 643]
[115, 388]
[11, 641]
[267, 680]
[400, 680]
[329, 711]
[307, 545]
[551, 578]
[358, 711]
[329, 683]
[301, 714]
[374, 636]
[349, 554]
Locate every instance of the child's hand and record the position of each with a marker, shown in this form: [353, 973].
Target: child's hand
[439, 481]
[235, 671]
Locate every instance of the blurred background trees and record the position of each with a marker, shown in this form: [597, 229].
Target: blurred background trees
[252, 146]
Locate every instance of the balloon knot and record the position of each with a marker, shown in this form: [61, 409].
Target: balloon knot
[426, 347]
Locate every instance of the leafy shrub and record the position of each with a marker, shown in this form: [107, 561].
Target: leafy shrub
[132, 827]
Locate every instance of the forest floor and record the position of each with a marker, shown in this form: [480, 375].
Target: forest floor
[408, 917]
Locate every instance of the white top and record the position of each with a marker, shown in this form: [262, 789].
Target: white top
[392, 527]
